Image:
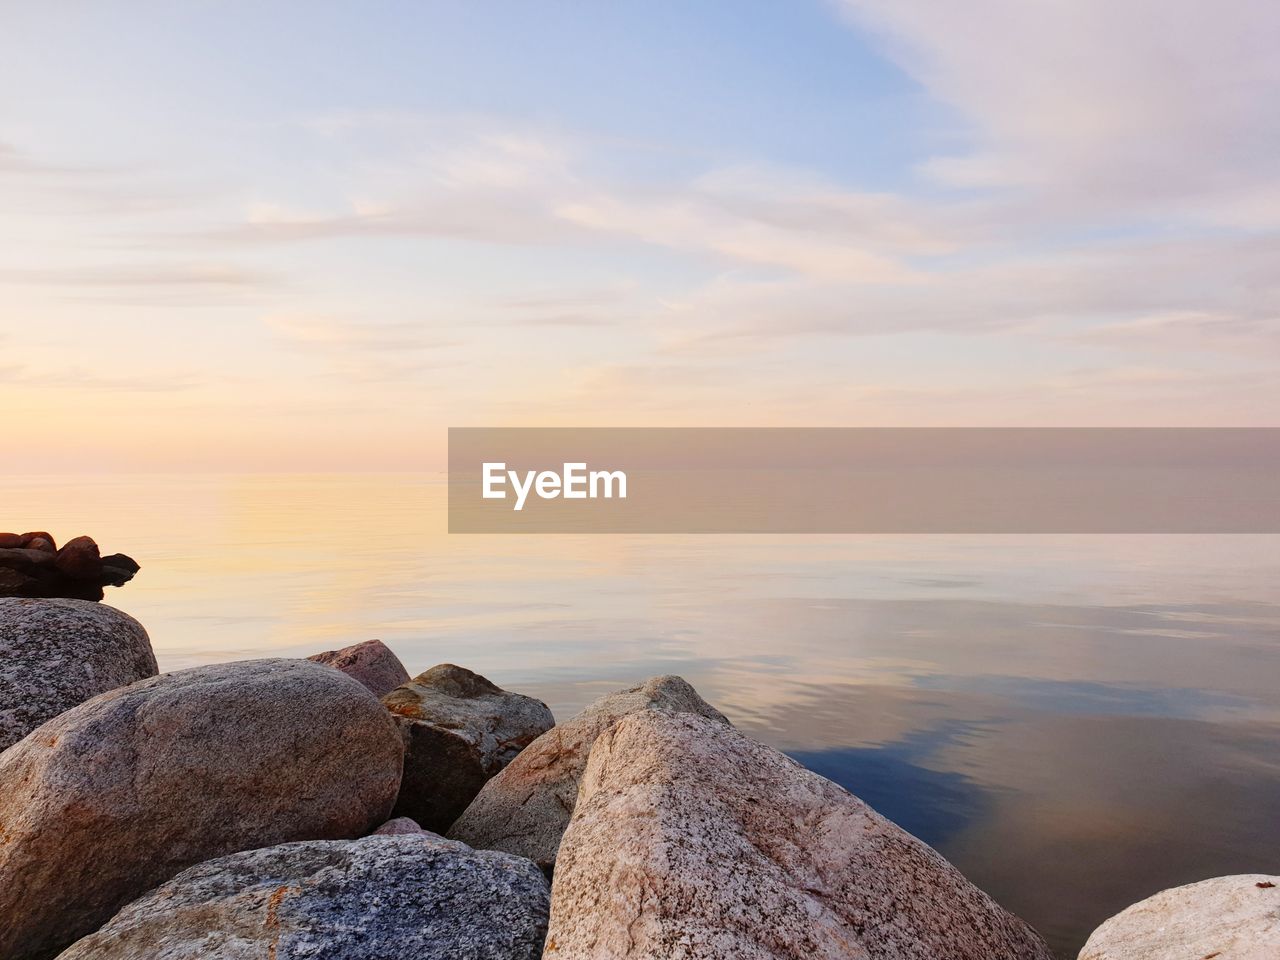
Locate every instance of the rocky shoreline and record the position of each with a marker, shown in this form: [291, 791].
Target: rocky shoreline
[334, 807]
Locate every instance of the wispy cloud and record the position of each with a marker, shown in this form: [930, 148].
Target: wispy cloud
[203, 275]
[525, 189]
[364, 350]
[1148, 106]
[93, 381]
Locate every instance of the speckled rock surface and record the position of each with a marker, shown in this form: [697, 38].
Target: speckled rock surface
[459, 730]
[121, 793]
[525, 809]
[690, 840]
[381, 898]
[398, 827]
[1227, 918]
[371, 662]
[55, 654]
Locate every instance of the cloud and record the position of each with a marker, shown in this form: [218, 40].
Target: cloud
[1189, 331]
[78, 378]
[1088, 294]
[692, 224]
[1096, 106]
[524, 188]
[17, 162]
[201, 275]
[196, 284]
[364, 350]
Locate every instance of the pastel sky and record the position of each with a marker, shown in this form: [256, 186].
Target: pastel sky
[311, 236]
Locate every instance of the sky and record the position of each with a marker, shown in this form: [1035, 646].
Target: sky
[312, 236]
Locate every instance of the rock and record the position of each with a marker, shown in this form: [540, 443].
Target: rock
[79, 559]
[1230, 918]
[123, 792]
[27, 560]
[691, 840]
[39, 540]
[380, 898]
[398, 827]
[56, 654]
[13, 583]
[459, 731]
[525, 809]
[370, 662]
[117, 570]
[31, 566]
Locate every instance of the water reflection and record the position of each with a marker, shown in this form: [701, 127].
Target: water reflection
[896, 780]
[1075, 721]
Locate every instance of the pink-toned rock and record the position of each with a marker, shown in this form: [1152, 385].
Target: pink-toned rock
[398, 827]
[1230, 918]
[459, 729]
[116, 796]
[691, 840]
[47, 543]
[371, 662]
[525, 809]
[80, 558]
[56, 654]
[10, 541]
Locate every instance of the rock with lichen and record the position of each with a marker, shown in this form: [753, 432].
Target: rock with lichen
[413, 895]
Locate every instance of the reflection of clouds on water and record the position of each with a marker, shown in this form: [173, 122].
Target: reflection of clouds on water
[1086, 697]
[932, 804]
[1075, 721]
[1091, 813]
[1064, 817]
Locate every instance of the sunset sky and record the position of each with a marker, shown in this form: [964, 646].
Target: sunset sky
[300, 236]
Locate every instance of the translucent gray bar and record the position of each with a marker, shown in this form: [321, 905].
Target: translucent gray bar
[865, 480]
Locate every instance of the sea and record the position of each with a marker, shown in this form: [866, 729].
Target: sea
[1076, 722]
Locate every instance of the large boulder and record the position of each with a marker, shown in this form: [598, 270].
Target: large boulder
[525, 809]
[691, 840]
[56, 654]
[413, 896]
[459, 731]
[371, 662]
[1230, 918]
[119, 794]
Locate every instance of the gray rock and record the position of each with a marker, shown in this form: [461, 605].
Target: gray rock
[371, 662]
[56, 654]
[691, 840]
[123, 792]
[525, 809]
[417, 897]
[1228, 918]
[398, 827]
[459, 731]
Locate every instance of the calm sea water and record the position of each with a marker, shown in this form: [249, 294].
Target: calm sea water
[1076, 722]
